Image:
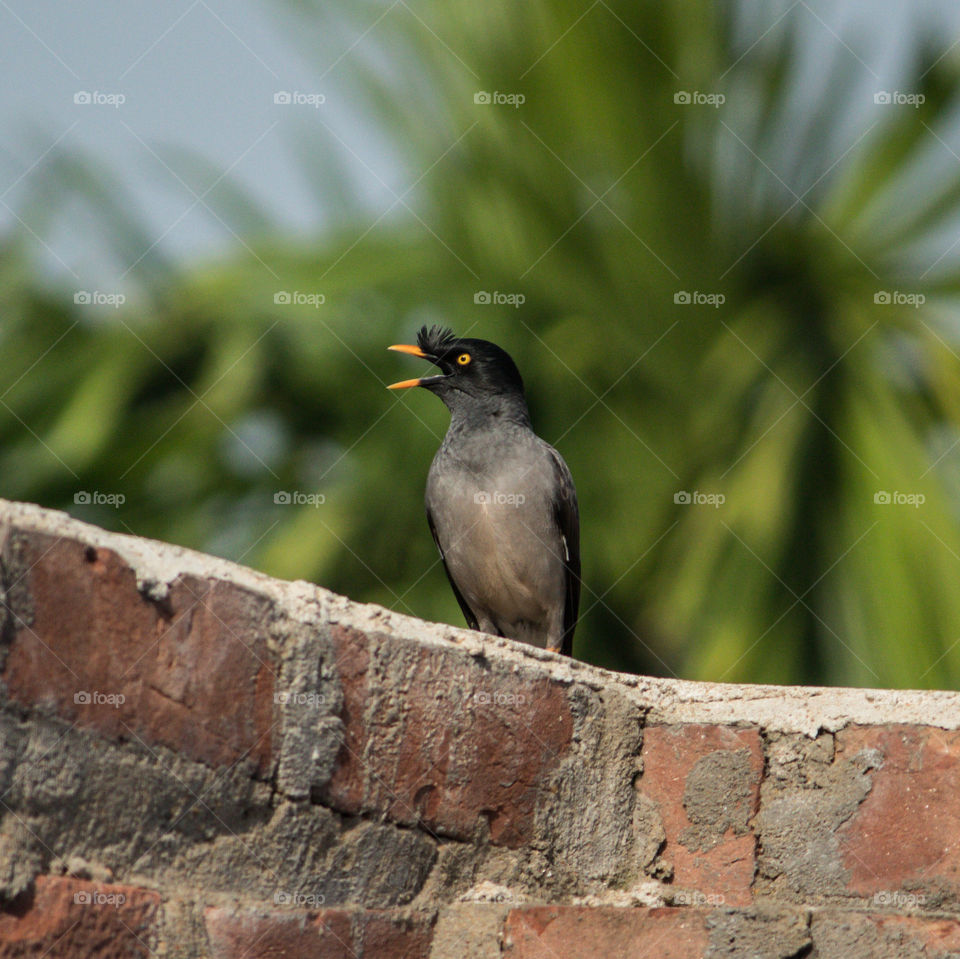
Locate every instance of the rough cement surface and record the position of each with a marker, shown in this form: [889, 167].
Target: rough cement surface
[589, 818]
[758, 933]
[469, 930]
[857, 936]
[805, 799]
[311, 700]
[136, 815]
[717, 797]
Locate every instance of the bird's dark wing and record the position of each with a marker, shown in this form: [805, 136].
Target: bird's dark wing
[472, 621]
[567, 515]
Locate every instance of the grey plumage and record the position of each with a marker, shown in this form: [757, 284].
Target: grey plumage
[500, 501]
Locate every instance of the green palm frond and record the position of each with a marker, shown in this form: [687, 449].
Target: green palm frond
[791, 396]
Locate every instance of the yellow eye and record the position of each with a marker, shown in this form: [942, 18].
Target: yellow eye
[463, 359]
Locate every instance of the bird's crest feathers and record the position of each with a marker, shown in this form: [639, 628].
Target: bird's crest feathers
[435, 339]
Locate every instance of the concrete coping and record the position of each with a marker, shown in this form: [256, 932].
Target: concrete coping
[786, 709]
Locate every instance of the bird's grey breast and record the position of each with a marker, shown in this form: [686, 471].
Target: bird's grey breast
[492, 502]
[489, 480]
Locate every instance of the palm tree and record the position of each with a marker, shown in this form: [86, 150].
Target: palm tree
[719, 329]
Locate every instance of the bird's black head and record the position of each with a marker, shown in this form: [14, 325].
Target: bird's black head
[474, 374]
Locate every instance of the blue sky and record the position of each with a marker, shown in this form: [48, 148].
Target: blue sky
[199, 78]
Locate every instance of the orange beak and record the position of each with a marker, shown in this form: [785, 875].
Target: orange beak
[403, 385]
[413, 351]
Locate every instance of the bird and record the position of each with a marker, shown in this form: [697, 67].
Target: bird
[501, 503]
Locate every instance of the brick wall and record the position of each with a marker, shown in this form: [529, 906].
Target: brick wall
[197, 760]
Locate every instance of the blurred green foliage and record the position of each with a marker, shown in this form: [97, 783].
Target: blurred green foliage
[599, 199]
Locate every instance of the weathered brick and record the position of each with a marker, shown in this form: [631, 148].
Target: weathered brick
[549, 932]
[705, 781]
[323, 934]
[192, 672]
[435, 738]
[903, 842]
[275, 934]
[390, 936]
[63, 918]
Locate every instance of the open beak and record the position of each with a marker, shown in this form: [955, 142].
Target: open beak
[404, 384]
[413, 351]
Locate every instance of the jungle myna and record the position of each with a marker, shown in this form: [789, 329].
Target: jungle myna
[501, 503]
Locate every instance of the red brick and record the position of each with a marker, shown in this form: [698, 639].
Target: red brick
[276, 934]
[440, 755]
[323, 934]
[607, 932]
[388, 936]
[194, 672]
[906, 832]
[71, 918]
[936, 935]
[723, 873]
